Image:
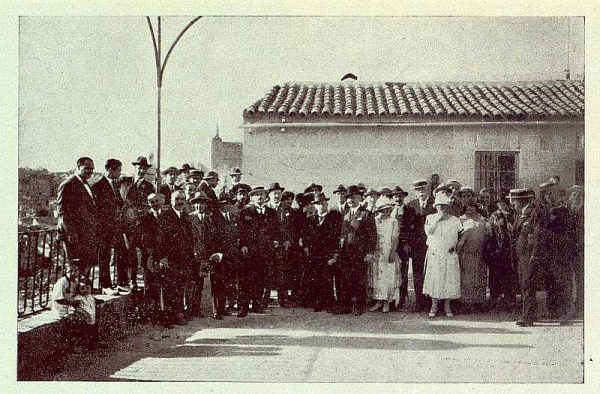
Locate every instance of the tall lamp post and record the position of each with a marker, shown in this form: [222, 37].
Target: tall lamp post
[160, 71]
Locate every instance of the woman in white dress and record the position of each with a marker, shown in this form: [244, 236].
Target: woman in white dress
[442, 270]
[386, 263]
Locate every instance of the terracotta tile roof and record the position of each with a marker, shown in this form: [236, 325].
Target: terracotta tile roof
[518, 100]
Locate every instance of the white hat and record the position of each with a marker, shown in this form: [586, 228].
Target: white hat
[441, 199]
[384, 202]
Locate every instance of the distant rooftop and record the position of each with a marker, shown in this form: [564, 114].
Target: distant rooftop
[355, 99]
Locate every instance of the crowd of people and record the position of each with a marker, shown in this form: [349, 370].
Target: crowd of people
[344, 256]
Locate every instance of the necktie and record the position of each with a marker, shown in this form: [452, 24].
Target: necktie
[113, 183]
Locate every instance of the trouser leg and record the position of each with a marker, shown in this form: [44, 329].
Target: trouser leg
[418, 266]
[529, 271]
[404, 279]
[104, 256]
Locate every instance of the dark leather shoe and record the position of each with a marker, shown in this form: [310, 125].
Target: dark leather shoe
[242, 313]
[217, 316]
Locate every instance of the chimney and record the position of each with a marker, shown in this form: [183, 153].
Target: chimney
[349, 76]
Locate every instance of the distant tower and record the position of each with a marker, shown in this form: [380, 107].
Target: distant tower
[216, 151]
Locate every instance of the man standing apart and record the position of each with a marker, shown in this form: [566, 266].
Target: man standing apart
[77, 216]
[110, 203]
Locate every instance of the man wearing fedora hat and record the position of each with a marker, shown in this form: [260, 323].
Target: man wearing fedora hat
[322, 247]
[207, 186]
[170, 185]
[227, 231]
[236, 179]
[420, 207]
[239, 197]
[278, 272]
[358, 240]
[206, 244]
[135, 205]
[109, 204]
[529, 270]
[195, 176]
[340, 194]
[259, 236]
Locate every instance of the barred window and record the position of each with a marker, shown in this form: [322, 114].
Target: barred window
[496, 170]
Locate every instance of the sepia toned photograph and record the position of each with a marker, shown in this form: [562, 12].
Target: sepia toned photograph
[301, 199]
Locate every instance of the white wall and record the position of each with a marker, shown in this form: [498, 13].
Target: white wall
[390, 155]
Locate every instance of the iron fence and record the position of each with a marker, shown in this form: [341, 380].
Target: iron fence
[41, 259]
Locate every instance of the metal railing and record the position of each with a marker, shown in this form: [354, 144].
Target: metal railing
[41, 259]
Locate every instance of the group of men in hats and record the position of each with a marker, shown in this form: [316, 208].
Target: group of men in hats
[251, 240]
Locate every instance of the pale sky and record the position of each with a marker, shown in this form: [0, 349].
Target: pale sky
[88, 84]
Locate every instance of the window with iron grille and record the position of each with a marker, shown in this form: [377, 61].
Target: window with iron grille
[496, 170]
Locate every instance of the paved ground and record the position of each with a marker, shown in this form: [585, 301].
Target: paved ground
[298, 345]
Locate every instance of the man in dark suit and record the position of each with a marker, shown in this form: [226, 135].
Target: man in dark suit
[227, 231]
[259, 236]
[523, 233]
[279, 270]
[323, 247]
[418, 209]
[135, 206]
[239, 197]
[150, 241]
[207, 186]
[178, 247]
[404, 216]
[170, 185]
[236, 179]
[358, 240]
[206, 243]
[77, 216]
[109, 204]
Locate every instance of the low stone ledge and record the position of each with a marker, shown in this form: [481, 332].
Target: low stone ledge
[40, 337]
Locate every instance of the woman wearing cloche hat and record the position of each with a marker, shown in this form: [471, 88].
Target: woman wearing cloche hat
[442, 273]
[385, 269]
